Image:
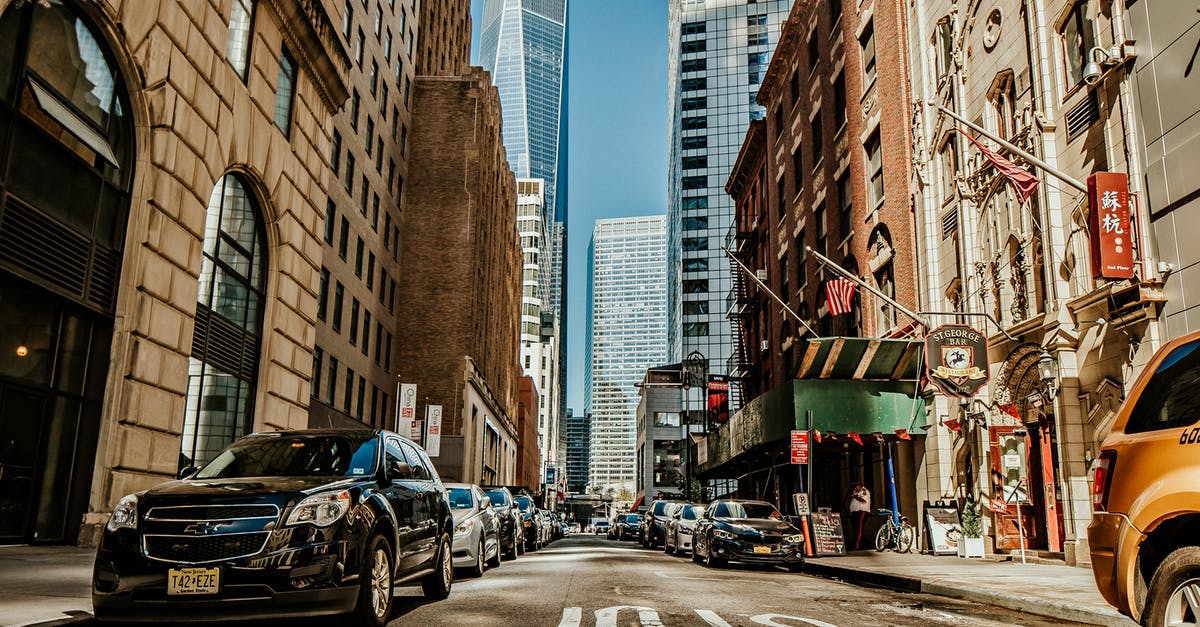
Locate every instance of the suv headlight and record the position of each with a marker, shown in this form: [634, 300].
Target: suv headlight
[797, 538]
[321, 510]
[464, 527]
[124, 515]
[721, 533]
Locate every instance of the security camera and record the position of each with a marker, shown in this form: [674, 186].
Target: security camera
[1092, 73]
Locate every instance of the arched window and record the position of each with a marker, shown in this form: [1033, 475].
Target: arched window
[223, 367]
[66, 153]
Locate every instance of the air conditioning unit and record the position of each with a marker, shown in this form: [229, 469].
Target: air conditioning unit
[763, 346]
[761, 274]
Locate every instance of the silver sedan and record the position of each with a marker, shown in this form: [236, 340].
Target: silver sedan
[476, 532]
[679, 528]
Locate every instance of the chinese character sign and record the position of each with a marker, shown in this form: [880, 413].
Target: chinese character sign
[1108, 221]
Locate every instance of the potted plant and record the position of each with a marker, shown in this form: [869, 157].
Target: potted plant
[971, 544]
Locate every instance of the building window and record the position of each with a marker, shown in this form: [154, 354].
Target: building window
[354, 307]
[318, 363]
[1078, 38]
[344, 238]
[814, 50]
[366, 336]
[689, 47]
[783, 276]
[794, 87]
[845, 207]
[695, 329]
[691, 143]
[797, 172]
[348, 391]
[693, 65]
[695, 308]
[945, 45]
[691, 124]
[347, 20]
[339, 294]
[874, 169]
[839, 102]
[695, 286]
[692, 104]
[358, 48]
[237, 43]
[695, 182]
[868, 55]
[358, 258]
[692, 28]
[354, 109]
[695, 244]
[694, 84]
[695, 163]
[695, 224]
[349, 173]
[818, 139]
[695, 202]
[335, 153]
[948, 168]
[802, 258]
[323, 294]
[284, 91]
[331, 380]
[1003, 105]
[695, 265]
[330, 221]
[220, 391]
[822, 231]
[756, 30]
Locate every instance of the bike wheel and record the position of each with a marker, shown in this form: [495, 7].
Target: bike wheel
[904, 540]
[883, 538]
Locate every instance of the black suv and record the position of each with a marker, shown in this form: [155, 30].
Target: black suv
[508, 517]
[299, 523]
[532, 533]
[654, 522]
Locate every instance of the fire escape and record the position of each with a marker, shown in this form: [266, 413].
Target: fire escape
[739, 303]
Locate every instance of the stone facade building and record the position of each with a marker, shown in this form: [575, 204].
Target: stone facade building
[353, 380]
[1017, 70]
[179, 301]
[456, 300]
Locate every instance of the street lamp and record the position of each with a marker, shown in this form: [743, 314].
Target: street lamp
[1048, 373]
[693, 371]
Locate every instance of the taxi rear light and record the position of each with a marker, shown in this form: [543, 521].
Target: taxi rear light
[1102, 471]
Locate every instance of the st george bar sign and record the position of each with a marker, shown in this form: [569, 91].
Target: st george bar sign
[1108, 221]
[954, 354]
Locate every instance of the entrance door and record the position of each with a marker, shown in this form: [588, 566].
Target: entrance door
[1010, 445]
[21, 421]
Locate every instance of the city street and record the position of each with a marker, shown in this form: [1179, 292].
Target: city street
[587, 580]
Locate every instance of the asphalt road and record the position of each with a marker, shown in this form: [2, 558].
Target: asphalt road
[586, 581]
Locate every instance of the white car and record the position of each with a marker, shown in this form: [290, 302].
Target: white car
[476, 534]
[679, 528]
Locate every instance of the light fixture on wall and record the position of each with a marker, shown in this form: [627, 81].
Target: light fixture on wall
[1048, 373]
[22, 350]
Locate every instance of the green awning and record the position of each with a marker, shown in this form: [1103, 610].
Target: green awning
[862, 358]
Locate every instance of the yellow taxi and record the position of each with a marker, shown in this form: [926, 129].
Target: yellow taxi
[1145, 530]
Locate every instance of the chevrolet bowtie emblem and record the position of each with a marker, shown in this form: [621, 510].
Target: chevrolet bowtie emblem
[203, 528]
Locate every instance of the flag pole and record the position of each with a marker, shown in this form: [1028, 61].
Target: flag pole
[1051, 170]
[766, 289]
[826, 261]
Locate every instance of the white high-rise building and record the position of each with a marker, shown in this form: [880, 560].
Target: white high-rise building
[719, 52]
[626, 333]
[539, 331]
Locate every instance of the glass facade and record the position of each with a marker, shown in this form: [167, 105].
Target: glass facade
[719, 50]
[626, 334]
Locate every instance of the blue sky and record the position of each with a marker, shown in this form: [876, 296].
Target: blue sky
[617, 110]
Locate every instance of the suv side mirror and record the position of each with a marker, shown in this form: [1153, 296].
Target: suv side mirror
[187, 471]
[485, 502]
[399, 470]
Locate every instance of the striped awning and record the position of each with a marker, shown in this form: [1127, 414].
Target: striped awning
[862, 359]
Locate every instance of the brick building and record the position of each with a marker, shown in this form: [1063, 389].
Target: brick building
[529, 460]
[828, 168]
[180, 305]
[353, 361]
[444, 42]
[458, 297]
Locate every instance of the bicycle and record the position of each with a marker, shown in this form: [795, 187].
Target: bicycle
[898, 536]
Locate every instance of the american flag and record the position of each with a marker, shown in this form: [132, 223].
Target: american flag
[838, 293]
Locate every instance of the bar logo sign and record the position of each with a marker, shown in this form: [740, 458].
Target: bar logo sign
[954, 354]
[1108, 222]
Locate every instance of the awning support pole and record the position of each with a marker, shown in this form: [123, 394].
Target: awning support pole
[826, 261]
[754, 277]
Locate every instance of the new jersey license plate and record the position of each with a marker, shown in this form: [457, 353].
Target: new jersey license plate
[181, 581]
[762, 549]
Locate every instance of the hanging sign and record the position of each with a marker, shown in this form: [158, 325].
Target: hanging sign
[799, 447]
[406, 410]
[1108, 222]
[433, 430]
[957, 358]
[718, 398]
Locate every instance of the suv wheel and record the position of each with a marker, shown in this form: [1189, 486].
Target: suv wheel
[436, 585]
[375, 584]
[1175, 582]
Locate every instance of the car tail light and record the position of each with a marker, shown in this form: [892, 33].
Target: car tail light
[1102, 470]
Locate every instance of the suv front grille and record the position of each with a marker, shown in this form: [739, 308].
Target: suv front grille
[199, 549]
[212, 512]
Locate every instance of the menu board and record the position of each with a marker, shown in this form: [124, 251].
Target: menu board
[827, 533]
[944, 529]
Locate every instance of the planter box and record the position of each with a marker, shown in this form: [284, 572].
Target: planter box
[970, 547]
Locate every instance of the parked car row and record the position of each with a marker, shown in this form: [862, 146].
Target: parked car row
[723, 531]
[304, 523]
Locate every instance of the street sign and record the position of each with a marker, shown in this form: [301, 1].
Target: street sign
[1108, 223]
[433, 430]
[954, 354]
[800, 499]
[799, 447]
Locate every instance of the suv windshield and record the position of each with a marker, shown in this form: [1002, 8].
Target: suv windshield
[747, 510]
[460, 498]
[498, 498]
[524, 502]
[295, 456]
[691, 512]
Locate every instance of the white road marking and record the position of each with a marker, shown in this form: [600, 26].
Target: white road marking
[769, 620]
[711, 618]
[607, 617]
[571, 617]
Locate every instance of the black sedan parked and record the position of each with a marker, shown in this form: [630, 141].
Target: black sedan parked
[628, 527]
[509, 516]
[300, 523]
[746, 531]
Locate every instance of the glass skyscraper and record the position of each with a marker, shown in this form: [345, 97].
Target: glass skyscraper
[719, 51]
[626, 333]
[523, 44]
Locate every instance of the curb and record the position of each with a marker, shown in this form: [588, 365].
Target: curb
[1029, 605]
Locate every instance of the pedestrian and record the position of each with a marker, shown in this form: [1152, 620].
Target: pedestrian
[860, 506]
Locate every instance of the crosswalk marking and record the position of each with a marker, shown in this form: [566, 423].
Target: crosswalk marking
[607, 617]
[769, 620]
[571, 617]
[711, 618]
[648, 617]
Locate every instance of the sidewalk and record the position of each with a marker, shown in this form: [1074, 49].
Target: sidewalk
[1062, 592]
[45, 585]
